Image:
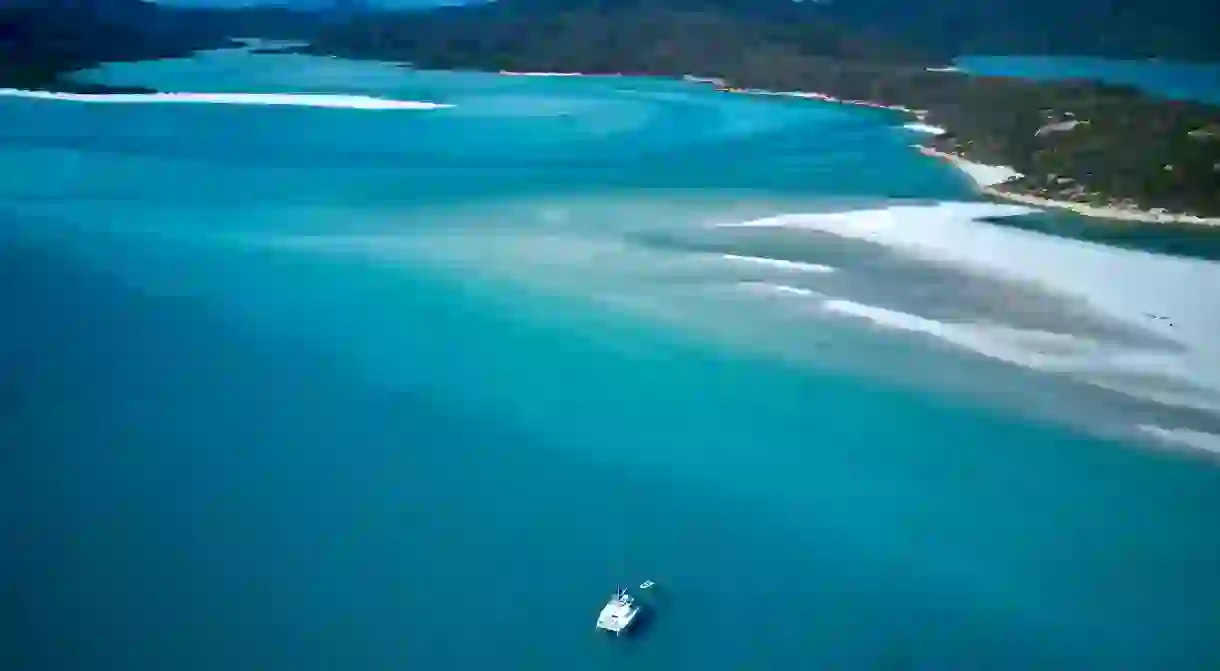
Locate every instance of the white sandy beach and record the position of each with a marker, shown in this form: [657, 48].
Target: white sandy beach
[920, 127]
[988, 177]
[292, 99]
[1104, 212]
[984, 176]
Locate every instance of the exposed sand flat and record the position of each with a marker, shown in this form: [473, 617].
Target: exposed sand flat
[509, 73]
[779, 263]
[1158, 351]
[292, 99]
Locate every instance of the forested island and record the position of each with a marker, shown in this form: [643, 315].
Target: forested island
[1076, 141]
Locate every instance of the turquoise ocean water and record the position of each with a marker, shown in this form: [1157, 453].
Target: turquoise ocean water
[1171, 79]
[304, 388]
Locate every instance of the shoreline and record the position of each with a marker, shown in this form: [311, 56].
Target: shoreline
[1101, 212]
[984, 176]
[988, 179]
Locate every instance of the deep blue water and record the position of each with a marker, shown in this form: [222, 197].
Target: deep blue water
[315, 389]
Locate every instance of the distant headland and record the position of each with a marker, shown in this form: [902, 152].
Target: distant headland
[1096, 149]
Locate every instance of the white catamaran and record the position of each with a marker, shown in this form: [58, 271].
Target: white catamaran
[620, 611]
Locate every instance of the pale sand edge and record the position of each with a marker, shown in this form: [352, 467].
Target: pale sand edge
[343, 101]
[1103, 212]
[987, 178]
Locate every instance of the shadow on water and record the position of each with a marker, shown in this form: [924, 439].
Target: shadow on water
[1199, 242]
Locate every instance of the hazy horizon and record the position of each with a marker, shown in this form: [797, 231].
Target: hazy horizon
[305, 4]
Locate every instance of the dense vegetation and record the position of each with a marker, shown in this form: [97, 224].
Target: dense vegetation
[42, 40]
[1119, 146]
[653, 40]
[1127, 146]
[1182, 29]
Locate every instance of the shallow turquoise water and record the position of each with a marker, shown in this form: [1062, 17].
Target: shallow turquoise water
[304, 388]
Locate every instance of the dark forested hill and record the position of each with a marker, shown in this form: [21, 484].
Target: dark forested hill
[604, 39]
[40, 40]
[1116, 28]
